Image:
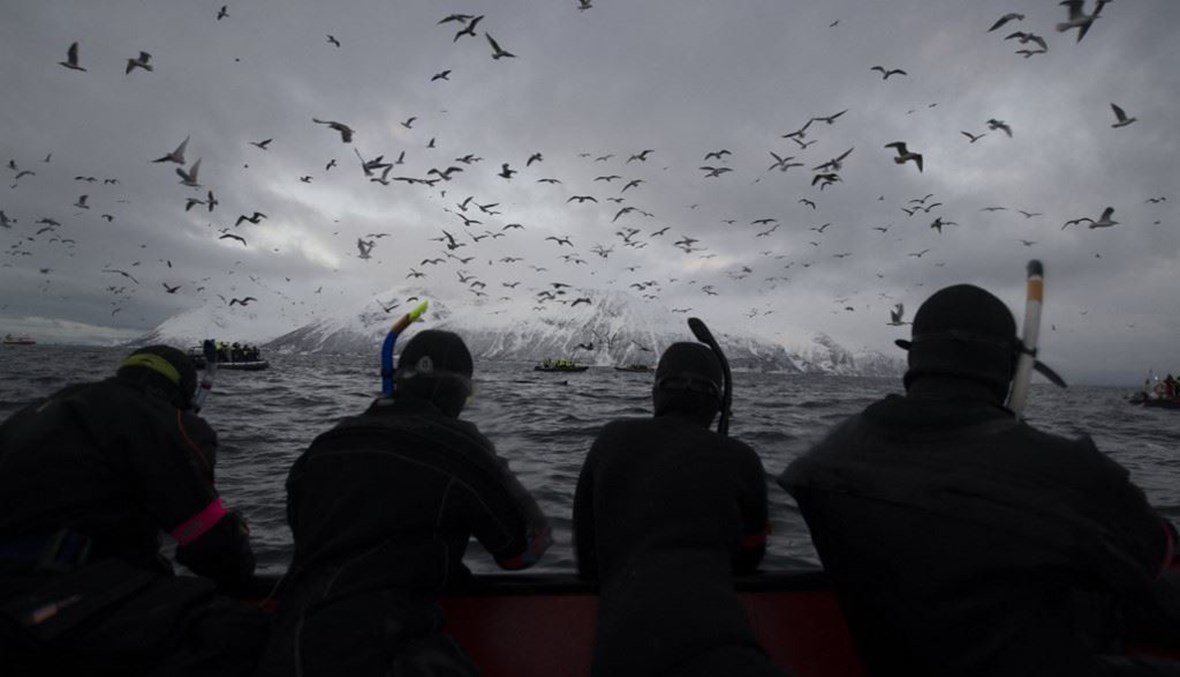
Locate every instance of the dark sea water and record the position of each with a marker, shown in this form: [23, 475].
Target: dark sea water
[544, 423]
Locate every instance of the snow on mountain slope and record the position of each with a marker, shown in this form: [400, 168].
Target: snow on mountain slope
[608, 328]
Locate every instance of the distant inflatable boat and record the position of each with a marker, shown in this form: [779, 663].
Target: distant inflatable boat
[1157, 402]
[638, 368]
[567, 367]
[200, 362]
[10, 340]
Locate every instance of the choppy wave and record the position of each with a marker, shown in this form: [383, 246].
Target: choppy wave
[545, 423]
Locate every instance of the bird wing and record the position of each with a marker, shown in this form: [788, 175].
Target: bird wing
[1118, 113]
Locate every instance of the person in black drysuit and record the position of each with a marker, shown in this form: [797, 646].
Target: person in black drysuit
[382, 507]
[89, 476]
[962, 541]
[666, 512]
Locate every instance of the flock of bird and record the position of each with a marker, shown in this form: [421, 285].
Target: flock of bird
[614, 197]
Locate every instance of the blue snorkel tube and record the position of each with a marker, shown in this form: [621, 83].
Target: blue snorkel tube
[387, 347]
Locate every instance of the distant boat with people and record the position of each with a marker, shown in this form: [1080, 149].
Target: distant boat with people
[1164, 394]
[11, 340]
[638, 368]
[233, 356]
[559, 365]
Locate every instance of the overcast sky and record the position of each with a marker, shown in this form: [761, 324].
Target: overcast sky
[682, 79]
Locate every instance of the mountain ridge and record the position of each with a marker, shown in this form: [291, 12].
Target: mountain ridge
[604, 328]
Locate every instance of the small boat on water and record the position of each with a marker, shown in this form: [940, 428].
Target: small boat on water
[559, 365]
[1155, 402]
[638, 368]
[10, 340]
[230, 359]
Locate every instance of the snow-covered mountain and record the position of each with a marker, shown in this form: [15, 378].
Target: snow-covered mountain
[608, 328]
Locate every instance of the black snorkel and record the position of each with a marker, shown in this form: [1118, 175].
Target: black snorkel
[702, 334]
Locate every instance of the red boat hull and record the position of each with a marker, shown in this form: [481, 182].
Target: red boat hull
[796, 617]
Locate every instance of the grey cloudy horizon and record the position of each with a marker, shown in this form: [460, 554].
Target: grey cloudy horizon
[683, 79]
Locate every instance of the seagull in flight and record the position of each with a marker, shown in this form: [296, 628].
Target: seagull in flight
[365, 248]
[256, 218]
[189, 178]
[972, 138]
[242, 302]
[506, 172]
[829, 119]
[1079, 19]
[261, 144]
[71, 61]
[994, 124]
[896, 314]
[346, 132]
[469, 29]
[1012, 16]
[1025, 38]
[498, 52]
[332, 40]
[783, 163]
[1123, 120]
[177, 155]
[223, 12]
[1104, 221]
[231, 236]
[904, 155]
[141, 62]
[886, 73]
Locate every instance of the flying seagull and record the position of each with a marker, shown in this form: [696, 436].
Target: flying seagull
[346, 132]
[497, 51]
[261, 144]
[1011, 16]
[1079, 19]
[256, 218]
[243, 301]
[223, 12]
[71, 61]
[904, 155]
[994, 124]
[1123, 120]
[332, 39]
[189, 178]
[831, 119]
[177, 155]
[231, 236]
[365, 248]
[505, 172]
[1104, 221]
[886, 73]
[141, 62]
[973, 137]
[896, 314]
[1029, 37]
[470, 29]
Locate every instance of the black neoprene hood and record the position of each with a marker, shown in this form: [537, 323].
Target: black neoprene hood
[963, 330]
